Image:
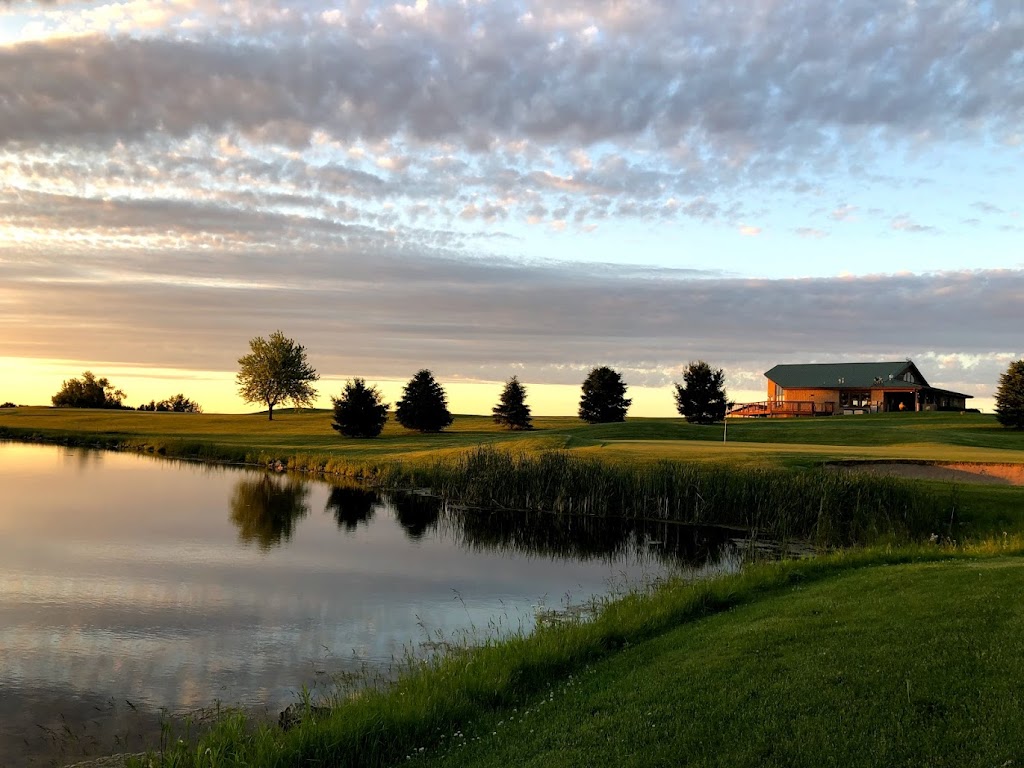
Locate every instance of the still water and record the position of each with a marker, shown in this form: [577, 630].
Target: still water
[131, 586]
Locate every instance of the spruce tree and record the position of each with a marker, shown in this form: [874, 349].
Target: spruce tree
[360, 411]
[512, 411]
[603, 397]
[700, 399]
[424, 405]
[1010, 396]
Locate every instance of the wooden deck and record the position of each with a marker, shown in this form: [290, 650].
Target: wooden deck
[781, 409]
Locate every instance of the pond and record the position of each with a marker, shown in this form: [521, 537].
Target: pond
[132, 586]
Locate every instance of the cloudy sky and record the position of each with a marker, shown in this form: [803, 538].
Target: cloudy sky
[528, 187]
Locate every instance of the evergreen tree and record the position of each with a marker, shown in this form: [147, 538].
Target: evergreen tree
[512, 411]
[700, 399]
[604, 397]
[274, 372]
[360, 411]
[424, 405]
[1010, 396]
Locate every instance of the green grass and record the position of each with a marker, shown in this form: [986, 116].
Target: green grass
[796, 442]
[890, 666]
[861, 658]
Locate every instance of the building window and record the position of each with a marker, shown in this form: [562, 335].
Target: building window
[853, 398]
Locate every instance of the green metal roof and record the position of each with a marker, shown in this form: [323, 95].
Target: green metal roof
[845, 375]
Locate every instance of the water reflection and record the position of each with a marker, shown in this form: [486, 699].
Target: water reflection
[416, 513]
[580, 537]
[267, 509]
[130, 581]
[351, 506]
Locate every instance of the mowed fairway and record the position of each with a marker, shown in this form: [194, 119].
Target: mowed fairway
[919, 437]
[906, 665]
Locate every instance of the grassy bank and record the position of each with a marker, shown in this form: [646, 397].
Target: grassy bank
[914, 665]
[826, 507]
[306, 439]
[858, 658]
[643, 467]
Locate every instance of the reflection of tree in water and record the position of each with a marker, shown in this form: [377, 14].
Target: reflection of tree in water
[585, 537]
[351, 505]
[266, 509]
[416, 513]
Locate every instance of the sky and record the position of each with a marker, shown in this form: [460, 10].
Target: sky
[515, 187]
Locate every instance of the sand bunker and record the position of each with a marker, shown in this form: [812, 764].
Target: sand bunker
[962, 472]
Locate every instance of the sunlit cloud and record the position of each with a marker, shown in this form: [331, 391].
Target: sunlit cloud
[478, 186]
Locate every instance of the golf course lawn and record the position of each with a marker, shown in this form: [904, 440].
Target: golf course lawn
[906, 665]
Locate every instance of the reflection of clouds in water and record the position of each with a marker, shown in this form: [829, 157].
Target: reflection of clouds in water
[144, 591]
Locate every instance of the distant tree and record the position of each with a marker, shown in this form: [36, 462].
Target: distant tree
[424, 405]
[274, 372]
[1010, 396]
[700, 399]
[8, 404]
[180, 404]
[176, 404]
[512, 410]
[604, 397]
[360, 411]
[88, 392]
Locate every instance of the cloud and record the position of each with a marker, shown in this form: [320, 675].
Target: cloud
[906, 224]
[769, 79]
[844, 212]
[365, 177]
[810, 232]
[385, 312]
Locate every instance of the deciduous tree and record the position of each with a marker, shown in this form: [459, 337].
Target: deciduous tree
[176, 404]
[512, 410]
[700, 399]
[1010, 396]
[360, 411]
[424, 405]
[275, 371]
[88, 392]
[604, 397]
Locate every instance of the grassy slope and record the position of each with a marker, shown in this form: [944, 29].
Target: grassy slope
[903, 665]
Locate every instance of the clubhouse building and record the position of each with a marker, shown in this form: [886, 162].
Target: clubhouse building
[824, 389]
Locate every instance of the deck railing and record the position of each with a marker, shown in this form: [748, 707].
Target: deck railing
[768, 408]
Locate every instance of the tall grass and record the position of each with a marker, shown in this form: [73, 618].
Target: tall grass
[826, 506]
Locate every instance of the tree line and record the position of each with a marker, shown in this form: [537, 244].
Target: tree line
[276, 371]
[92, 392]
